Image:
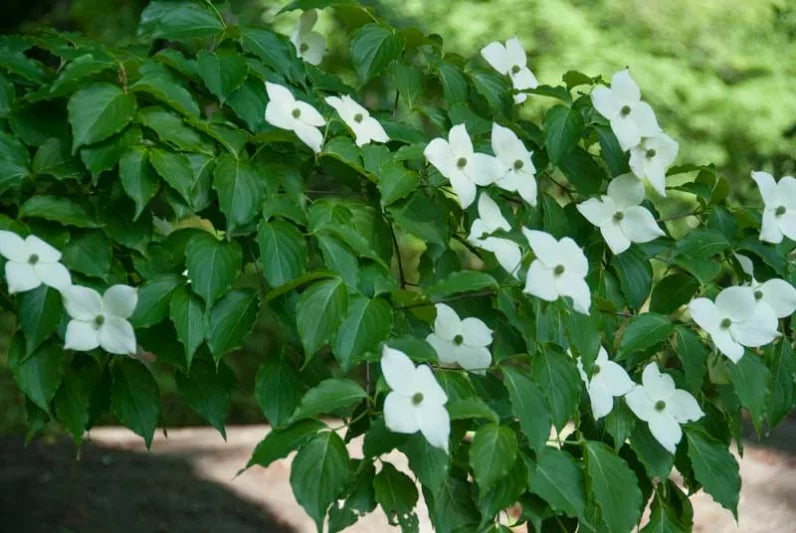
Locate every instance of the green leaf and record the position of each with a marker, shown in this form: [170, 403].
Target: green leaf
[207, 390]
[72, 403]
[380, 440]
[328, 396]
[672, 292]
[558, 377]
[104, 156]
[231, 319]
[39, 375]
[715, 468]
[40, 312]
[339, 258]
[664, 519]
[240, 190]
[750, 377]
[656, 459]
[462, 281]
[280, 442]
[178, 21]
[57, 209]
[14, 162]
[156, 80]
[319, 473]
[492, 453]
[397, 495]
[366, 324]
[153, 300]
[453, 508]
[6, 95]
[135, 399]
[176, 170]
[283, 252]
[782, 363]
[54, 158]
[395, 181]
[529, 406]
[583, 332]
[620, 510]
[615, 158]
[373, 47]
[277, 388]
[98, 111]
[172, 130]
[644, 332]
[693, 355]
[454, 86]
[556, 477]
[212, 265]
[473, 407]
[249, 102]
[582, 171]
[619, 423]
[274, 50]
[187, 313]
[430, 464]
[138, 178]
[563, 126]
[409, 83]
[319, 311]
[635, 276]
[222, 71]
[422, 217]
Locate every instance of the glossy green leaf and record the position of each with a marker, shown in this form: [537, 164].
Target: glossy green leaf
[328, 396]
[558, 378]
[187, 313]
[207, 390]
[153, 300]
[529, 406]
[397, 495]
[715, 468]
[367, 322]
[373, 47]
[39, 374]
[138, 178]
[620, 510]
[563, 126]
[319, 311]
[98, 111]
[40, 312]
[223, 71]
[212, 265]
[492, 453]
[277, 389]
[556, 477]
[231, 319]
[278, 443]
[135, 399]
[283, 252]
[239, 188]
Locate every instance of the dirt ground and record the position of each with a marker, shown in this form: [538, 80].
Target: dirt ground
[187, 483]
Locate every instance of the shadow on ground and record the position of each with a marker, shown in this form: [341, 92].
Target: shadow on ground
[44, 489]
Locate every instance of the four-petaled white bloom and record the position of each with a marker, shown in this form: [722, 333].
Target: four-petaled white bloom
[31, 262]
[416, 402]
[462, 342]
[777, 294]
[734, 321]
[464, 168]
[100, 320]
[663, 407]
[650, 159]
[310, 45]
[779, 212]
[356, 117]
[558, 270]
[518, 172]
[507, 252]
[619, 216]
[631, 119]
[510, 59]
[608, 379]
[284, 111]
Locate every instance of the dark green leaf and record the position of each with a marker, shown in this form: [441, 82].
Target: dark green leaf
[277, 388]
[429, 463]
[750, 377]
[138, 178]
[72, 402]
[558, 377]
[283, 252]
[656, 459]
[643, 332]
[222, 71]
[492, 453]
[57, 209]
[620, 510]
[207, 390]
[212, 265]
[178, 21]
[39, 375]
[40, 312]
[231, 319]
[319, 311]
[582, 171]
[556, 477]
[373, 47]
[240, 190]
[693, 355]
[135, 399]
[187, 313]
[635, 276]
[14, 162]
[462, 281]
[54, 158]
[328, 396]
[367, 323]
[153, 301]
[397, 495]
[671, 292]
[563, 126]
[280, 442]
[98, 111]
[529, 407]
[715, 468]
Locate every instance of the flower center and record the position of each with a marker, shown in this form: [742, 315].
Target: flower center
[618, 216]
[596, 369]
[461, 162]
[417, 399]
[725, 324]
[484, 235]
[458, 339]
[358, 117]
[99, 320]
[518, 164]
[558, 270]
[296, 113]
[660, 405]
[33, 259]
[780, 211]
[650, 153]
[758, 295]
[304, 47]
[515, 69]
[625, 111]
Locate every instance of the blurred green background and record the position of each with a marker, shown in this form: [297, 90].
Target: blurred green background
[721, 75]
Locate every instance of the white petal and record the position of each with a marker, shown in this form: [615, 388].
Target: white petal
[316, 48]
[705, 314]
[601, 400]
[639, 225]
[626, 190]
[490, 213]
[786, 191]
[759, 329]
[665, 148]
[464, 188]
[658, 385]
[426, 383]
[624, 87]
[306, 21]
[479, 232]
[476, 358]
[80, 336]
[280, 96]
[475, 332]
[340, 106]
[726, 344]
[445, 349]
[573, 257]
[665, 429]
[613, 378]
[372, 131]
[627, 132]
[279, 116]
[460, 142]
[12, 247]
[496, 55]
[520, 98]
[736, 303]
[640, 402]
[605, 102]
[21, 277]
[746, 264]
[683, 407]
[53, 274]
[507, 146]
[522, 182]
[398, 370]
[435, 424]
[615, 237]
[787, 224]
[596, 211]
[780, 296]
[309, 135]
[540, 282]
[438, 152]
[767, 185]
[574, 286]
[483, 169]
[309, 115]
[447, 323]
[544, 246]
[655, 172]
[46, 253]
[644, 117]
[507, 253]
[524, 79]
[120, 300]
[116, 335]
[399, 414]
[515, 52]
[769, 229]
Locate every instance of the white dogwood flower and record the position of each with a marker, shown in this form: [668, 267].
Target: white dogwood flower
[734, 321]
[456, 160]
[100, 320]
[779, 213]
[507, 252]
[365, 128]
[559, 269]
[460, 342]
[31, 262]
[511, 59]
[608, 379]
[650, 159]
[519, 173]
[777, 294]
[416, 402]
[663, 407]
[285, 112]
[630, 117]
[619, 216]
[310, 45]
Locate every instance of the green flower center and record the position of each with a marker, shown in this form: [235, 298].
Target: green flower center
[596, 370]
[417, 399]
[725, 324]
[518, 164]
[558, 270]
[780, 211]
[618, 216]
[296, 113]
[458, 339]
[99, 320]
[33, 259]
[625, 111]
[758, 295]
[515, 69]
[650, 153]
[304, 47]
[660, 405]
[358, 117]
[461, 162]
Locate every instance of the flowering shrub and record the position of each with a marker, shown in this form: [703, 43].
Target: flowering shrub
[557, 350]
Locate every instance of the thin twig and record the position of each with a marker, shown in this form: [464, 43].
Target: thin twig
[398, 256]
[489, 292]
[681, 215]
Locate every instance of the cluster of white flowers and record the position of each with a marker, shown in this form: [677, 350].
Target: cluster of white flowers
[97, 321]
